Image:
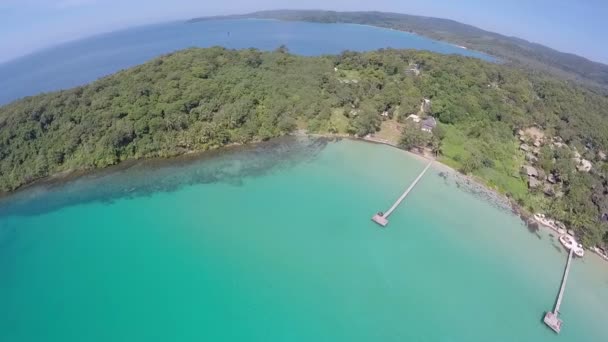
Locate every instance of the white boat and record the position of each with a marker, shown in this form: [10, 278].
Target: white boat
[539, 216]
[542, 219]
[556, 225]
[600, 252]
[579, 251]
[561, 227]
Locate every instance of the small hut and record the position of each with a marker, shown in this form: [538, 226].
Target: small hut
[429, 124]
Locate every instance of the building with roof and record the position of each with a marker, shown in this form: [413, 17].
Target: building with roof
[429, 124]
[414, 118]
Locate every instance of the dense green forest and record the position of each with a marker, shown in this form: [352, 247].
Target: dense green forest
[200, 99]
[510, 49]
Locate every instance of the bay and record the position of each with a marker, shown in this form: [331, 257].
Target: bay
[83, 61]
[274, 242]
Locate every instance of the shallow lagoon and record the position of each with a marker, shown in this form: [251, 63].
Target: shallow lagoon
[275, 242]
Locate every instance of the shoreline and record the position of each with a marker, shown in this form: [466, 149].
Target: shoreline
[66, 176]
[57, 179]
[476, 186]
[471, 184]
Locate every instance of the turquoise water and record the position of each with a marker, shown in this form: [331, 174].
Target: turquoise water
[275, 243]
[85, 60]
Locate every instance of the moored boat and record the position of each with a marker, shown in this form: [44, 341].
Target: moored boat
[550, 223]
[601, 252]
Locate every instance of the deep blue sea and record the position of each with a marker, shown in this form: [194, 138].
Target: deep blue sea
[86, 60]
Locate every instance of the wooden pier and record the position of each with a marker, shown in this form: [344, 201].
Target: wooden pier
[551, 318]
[382, 218]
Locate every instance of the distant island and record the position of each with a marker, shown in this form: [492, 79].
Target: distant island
[538, 139]
[511, 49]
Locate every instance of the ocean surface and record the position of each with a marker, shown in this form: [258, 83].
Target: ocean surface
[274, 243]
[83, 61]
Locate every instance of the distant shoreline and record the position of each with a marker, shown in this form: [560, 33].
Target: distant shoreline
[504, 49]
[485, 56]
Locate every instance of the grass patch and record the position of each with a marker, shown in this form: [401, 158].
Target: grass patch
[338, 122]
[390, 130]
[453, 147]
[504, 158]
[348, 75]
[504, 183]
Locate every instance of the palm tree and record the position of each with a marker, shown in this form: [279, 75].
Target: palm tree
[436, 147]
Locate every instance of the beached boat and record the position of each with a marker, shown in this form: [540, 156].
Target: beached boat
[579, 251]
[601, 252]
[558, 226]
[545, 221]
[561, 227]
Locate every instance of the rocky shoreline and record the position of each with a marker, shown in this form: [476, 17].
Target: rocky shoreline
[492, 197]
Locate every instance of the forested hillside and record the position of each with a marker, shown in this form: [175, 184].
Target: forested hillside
[200, 99]
[510, 49]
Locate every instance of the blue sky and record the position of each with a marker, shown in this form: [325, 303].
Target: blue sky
[577, 26]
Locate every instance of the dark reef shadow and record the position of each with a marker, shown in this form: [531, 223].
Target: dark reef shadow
[558, 248]
[232, 165]
[532, 227]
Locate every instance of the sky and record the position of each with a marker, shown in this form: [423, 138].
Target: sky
[576, 26]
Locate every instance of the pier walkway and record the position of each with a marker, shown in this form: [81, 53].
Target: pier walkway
[551, 318]
[382, 219]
